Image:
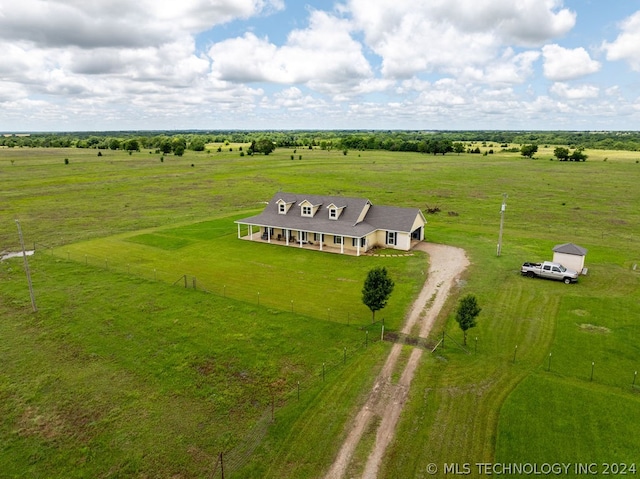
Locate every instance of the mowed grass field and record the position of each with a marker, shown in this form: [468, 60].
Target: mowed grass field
[114, 375]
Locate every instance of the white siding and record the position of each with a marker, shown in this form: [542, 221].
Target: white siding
[570, 261]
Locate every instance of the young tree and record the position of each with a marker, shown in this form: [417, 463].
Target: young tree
[578, 155]
[561, 153]
[466, 314]
[377, 288]
[528, 150]
[263, 145]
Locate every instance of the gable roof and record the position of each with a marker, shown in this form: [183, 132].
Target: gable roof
[347, 224]
[570, 248]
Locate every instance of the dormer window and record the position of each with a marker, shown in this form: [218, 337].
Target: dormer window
[307, 211]
[283, 206]
[335, 211]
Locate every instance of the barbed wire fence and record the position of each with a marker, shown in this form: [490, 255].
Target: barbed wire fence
[220, 288]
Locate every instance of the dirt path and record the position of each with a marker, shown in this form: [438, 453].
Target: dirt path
[387, 398]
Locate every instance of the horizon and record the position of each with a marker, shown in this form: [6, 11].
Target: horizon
[304, 130]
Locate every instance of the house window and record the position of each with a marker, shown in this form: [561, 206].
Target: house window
[306, 211]
[303, 236]
[392, 237]
[318, 237]
[354, 242]
[333, 213]
[337, 240]
[282, 209]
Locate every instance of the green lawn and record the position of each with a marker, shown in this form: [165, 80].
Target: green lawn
[124, 375]
[326, 286]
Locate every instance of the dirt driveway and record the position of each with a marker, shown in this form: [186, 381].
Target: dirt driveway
[387, 399]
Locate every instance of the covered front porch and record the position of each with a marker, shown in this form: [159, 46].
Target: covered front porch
[310, 240]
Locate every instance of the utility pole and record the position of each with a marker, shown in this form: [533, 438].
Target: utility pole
[502, 210]
[26, 269]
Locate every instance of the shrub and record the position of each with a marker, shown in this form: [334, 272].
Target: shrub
[66, 161]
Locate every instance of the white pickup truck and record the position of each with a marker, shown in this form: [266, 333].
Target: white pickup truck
[549, 270]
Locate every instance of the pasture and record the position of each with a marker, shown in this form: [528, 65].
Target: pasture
[121, 373]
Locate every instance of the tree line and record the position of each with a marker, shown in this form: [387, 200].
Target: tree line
[433, 142]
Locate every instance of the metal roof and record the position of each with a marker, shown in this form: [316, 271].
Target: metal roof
[570, 248]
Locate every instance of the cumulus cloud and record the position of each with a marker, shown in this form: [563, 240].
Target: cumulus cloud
[625, 46]
[119, 23]
[561, 64]
[355, 63]
[72, 47]
[582, 92]
[449, 35]
[324, 56]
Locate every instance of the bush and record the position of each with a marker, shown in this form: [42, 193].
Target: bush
[66, 161]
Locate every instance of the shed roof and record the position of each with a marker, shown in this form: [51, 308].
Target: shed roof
[570, 248]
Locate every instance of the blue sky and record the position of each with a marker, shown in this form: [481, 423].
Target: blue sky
[351, 64]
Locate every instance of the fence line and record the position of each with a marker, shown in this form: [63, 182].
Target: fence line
[233, 460]
[237, 292]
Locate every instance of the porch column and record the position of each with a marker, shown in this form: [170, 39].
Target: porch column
[300, 238]
[321, 238]
[250, 232]
[239, 236]
[287, 233]
[358, 247]
[342, 244]
[268, 235]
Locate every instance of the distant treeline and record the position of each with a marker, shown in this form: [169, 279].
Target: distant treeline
[423, 141]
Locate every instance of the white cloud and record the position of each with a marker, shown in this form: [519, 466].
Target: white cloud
[100, 64]
[562, 64]
[625, 46]
[292, 99]
[324, 56]
[119, 23]
[450, 35]
[577, 93]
